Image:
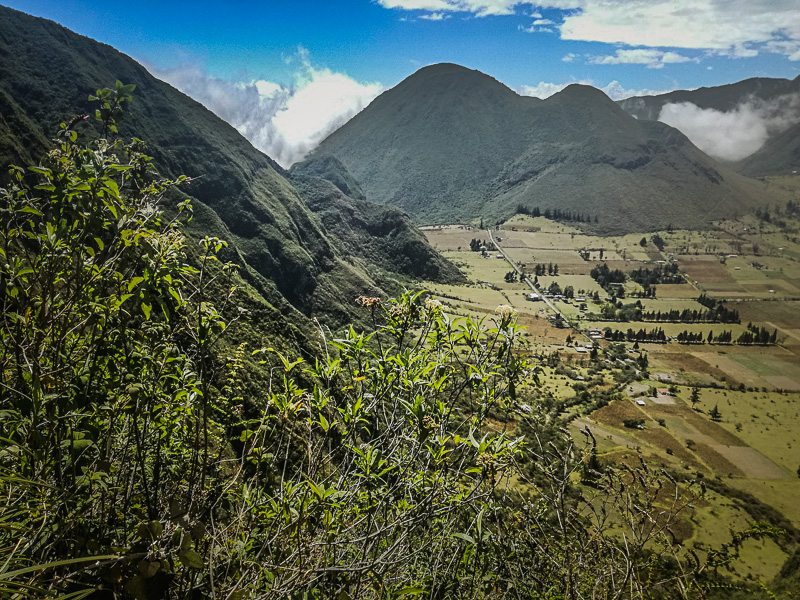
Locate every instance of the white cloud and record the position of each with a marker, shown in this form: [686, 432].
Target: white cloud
[437, 16]
[570, 57]
[725, 25]
[653, 59]
[543, 22]
[535, 29]
[285, 122]
[791, 49]
[544, 89]
[613, 90]
[735, 28]
[480, 8]
[737, 133]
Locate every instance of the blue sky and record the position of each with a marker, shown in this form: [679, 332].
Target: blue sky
[342, 53]
[369, 42]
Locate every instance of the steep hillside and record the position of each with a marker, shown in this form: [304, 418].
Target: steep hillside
[294, 264]
[450, 144]
[381, 239]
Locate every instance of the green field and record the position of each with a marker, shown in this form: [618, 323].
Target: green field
[754, 446]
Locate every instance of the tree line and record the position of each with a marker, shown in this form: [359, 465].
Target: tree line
[555, 214]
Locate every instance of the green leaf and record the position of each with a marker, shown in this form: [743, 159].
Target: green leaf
[30, 209]
[133, 283]
[409, 591]
[465, 537]
[191, 559]
[147, 309]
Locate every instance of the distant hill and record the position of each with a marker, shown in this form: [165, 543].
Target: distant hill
[450, 144]
[723, 97]
[296, 266]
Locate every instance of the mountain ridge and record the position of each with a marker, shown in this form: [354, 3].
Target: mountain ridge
[452, 144]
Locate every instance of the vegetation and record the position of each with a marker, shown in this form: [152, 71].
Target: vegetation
[556, 214]
[659, 274]
[133, 465]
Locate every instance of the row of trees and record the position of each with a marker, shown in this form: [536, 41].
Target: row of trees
[720, 312]
[540, 269]
[555, 214]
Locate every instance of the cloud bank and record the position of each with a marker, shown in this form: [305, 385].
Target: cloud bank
[285, 122]
[734, 134]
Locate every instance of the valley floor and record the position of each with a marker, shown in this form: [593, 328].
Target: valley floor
[726, 412]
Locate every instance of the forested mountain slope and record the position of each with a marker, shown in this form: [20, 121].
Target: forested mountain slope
[295, 265]
[451, 144]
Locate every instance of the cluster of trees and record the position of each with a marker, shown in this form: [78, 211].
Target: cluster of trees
[475, 245]
[719, 312]
[660, 274]
[542, 269]
[555, 214]
[610, 281]
[555, 289]
[511, 277]
[658, 241]
[758, 336]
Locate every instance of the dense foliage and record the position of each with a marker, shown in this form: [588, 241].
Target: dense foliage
[402, 462]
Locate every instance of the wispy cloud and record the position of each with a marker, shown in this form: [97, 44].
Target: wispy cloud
[652, 59]
[731, 26]
[480, 8]
[284, 121]
[437, 16]
[613, 90]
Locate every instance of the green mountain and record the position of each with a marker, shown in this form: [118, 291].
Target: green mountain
[780, 155]
[449, 144]
[296, 266]
[722, 97]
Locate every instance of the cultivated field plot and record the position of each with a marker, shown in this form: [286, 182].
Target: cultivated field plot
[676, 291]
[705, 270]
[758, 367]
[453, 237]
[484, 269]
